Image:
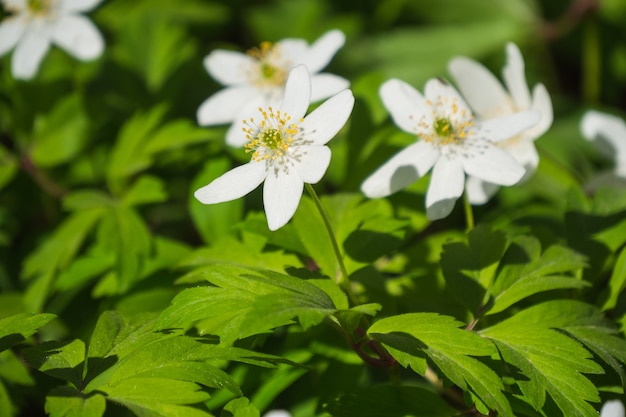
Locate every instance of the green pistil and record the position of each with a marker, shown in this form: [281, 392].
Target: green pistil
[268, 71]
[443, 127]
[37, 6]
[271, 138]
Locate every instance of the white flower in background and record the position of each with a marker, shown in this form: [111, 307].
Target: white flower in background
[609, 133]
[257, 78]
[35, 24]
[277, 413]
[612, 408]
[287, 150]
[451, 142]
[488, 98]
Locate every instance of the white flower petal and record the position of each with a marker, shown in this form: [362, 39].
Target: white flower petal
[277, 413]
[515, 78]
[325, 121]
[229, 67]
[14, 4]
[297, 93]
[325, 85]
[437, 89]
[446, 186]
[479, 191]
[11, 30]
[78, 36]
[233, 184]
[314, 163]
[226, 105]
[29, 53]
[322, 51]
[493, 165]
[77, 6]
[543, 104]
[281, 196]
[404, 168]
[524, 152]
[612, 408]
[482, 90]
[502, 128]
[404, 103]
[292, 50]
[609, 133]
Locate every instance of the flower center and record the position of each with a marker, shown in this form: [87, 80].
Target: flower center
[451, 124]
[270, 69]
[270, 138]
[39, 6]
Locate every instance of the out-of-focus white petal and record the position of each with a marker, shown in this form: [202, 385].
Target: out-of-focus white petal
[232, 185]
[506, 127]
[493, 165]
[314, 163]
[401, 170]
[14, 4]
[29, 53]
[292, 50]
[325, 121]
[11, 29]
[323, 49]
[612, 408]
[77, 6]
[226, 105]
[325, 85]
[436, 89]
[479, 191]
[524, 152]
[277, 413]
[515, 78]
[297, 93]
[404, 103]
[78, 36]
[543, 104]
[609, 133]
[229, 67]
[281, 196]
[481, 89]
[446, 186]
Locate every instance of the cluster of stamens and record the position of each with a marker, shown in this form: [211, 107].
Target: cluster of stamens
[270, 138]
[451, 124]
[269, 71]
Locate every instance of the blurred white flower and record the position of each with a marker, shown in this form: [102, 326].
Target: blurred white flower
[612, 408]
[609, 133]
[277, 413]
[287, 149]
[257, 78]
[488, 99]
[451, 142]
[34, 24]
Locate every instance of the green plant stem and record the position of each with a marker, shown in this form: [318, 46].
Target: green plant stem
[469, 213]
[591, 62]
[41, 179]
[344, 279]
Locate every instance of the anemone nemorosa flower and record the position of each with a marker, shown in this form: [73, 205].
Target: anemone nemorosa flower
[451, 142]
[257, 78]
[288, 149]
[35, 24]
[609, 133]
[488, 98]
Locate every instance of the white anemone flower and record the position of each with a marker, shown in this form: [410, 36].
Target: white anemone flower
[451, 142]
[288, 150]
[257, 78]
[35, 24]
[612, 408]
[488, 99]
[609, 133]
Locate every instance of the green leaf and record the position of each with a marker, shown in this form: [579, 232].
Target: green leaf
[178, 134]
[68, 402]
[550, 361]
[147, 189]
[61, 134]
[6, 407]
[16, 328]
[8, 167]
[449, 347]
[240, 407]
[86, 199]
[617, 282]
[63, 360]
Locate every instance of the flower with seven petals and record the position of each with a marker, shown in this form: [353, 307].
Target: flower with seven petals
[257, 78]
[287, 150]
[609, 132]
[488, 98]
[452, 143]
[35, 24]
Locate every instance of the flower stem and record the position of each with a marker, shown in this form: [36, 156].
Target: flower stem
[469, 213]
[344, 279]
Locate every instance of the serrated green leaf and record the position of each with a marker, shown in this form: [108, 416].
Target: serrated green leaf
[86, 199]
[6, 407]
[549, 360]
[617, 282]
[178, 134]
[18, 327]
[68, 402]
[63, 360]
[240, 407]
[152, 392]
[147, 189]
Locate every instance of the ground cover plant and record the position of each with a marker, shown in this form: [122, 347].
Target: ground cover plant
[312, 208]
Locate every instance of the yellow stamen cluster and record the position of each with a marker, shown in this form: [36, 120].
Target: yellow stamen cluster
[271, 137]
[269, 71]
[451, 123]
